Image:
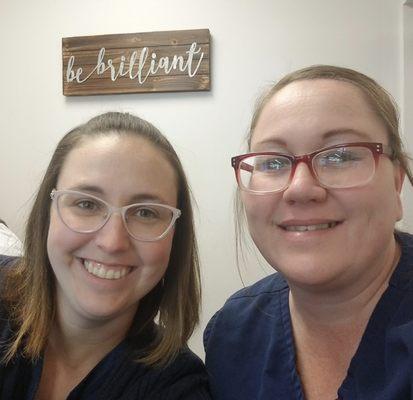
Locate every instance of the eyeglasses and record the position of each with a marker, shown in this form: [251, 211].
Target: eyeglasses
[342, 166]
[84, 213]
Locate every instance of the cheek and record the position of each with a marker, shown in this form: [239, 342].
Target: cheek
[376, 207]
[260, 209]
[389, 184]
[156, 253]
[61, 241]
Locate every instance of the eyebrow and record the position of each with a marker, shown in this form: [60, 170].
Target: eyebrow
[326, 135]
[336, 132]
[137, 198]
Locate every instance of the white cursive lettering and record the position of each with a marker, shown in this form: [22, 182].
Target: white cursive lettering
[126, 67]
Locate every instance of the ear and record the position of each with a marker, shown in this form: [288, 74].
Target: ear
[399, 175]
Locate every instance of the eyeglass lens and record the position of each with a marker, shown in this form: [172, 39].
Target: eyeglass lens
[82, 213]
[336, 168]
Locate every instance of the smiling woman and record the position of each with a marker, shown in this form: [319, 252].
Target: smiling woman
[320, 187]
[109, 247]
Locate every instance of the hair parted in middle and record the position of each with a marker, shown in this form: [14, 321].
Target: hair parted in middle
[29, 287]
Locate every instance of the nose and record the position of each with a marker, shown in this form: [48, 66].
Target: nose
[304, 187]
[113, 236]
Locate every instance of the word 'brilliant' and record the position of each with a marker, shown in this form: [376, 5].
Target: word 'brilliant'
[133, 68]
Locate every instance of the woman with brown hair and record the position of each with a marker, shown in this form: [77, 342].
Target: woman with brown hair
[107, 293]
[320, 186]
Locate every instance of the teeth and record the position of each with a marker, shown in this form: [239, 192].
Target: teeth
[105, 272]
[305, 228]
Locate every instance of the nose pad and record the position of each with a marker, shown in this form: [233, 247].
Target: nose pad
[304, 186]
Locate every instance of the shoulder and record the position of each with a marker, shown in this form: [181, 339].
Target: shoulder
[387, 343]
[405, 240]
[248, 337]
[120, 376]
[272, 284]
[6, 331]
[406, 243]
[402, 277]
[184, 378]
[266, 290]
[187, 369]
[6, 260]
[257, 305]
[6, 263]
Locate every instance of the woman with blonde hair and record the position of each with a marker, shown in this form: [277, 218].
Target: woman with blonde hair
[320, 186]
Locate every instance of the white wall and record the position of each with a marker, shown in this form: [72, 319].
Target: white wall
[407, 105]
[253, 43]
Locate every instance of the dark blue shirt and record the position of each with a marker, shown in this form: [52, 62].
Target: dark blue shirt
[250, 352]
[118, 376]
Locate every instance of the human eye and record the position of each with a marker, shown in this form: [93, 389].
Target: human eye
[340, 157]
[272, 164]
[82, 204]
[86, 205]
[144, 213]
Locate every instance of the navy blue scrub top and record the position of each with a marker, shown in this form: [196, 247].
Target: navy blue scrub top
[250, 352]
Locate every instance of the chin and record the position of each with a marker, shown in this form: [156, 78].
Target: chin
[104, 311]
[305, 270]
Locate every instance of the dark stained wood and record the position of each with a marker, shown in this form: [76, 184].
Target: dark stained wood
[153, 84]
[88, 57]
[164, 38]
[118, 49]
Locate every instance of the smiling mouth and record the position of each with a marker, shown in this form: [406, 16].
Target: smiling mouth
[105, 271]
[309, 228]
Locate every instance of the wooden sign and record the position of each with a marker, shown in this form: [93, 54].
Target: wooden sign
[170, 61]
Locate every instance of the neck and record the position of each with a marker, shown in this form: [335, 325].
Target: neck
[329, 324]
[78, 343]
[339, 307]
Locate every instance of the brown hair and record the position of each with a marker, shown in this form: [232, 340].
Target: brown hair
[29, 289]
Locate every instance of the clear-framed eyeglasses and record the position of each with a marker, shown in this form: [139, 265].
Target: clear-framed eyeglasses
[341, 166]
[85, 213]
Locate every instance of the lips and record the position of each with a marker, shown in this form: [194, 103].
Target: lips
[106, 271]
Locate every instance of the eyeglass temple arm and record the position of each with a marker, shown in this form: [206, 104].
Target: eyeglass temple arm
[246, 167]
[388, 151]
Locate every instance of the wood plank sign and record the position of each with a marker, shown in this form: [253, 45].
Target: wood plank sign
[168, 61]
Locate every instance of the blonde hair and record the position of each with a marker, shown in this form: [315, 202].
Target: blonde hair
[29, 287]
[379, 99]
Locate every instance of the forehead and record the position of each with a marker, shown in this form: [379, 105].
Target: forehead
[316, 112]
[119, 166]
